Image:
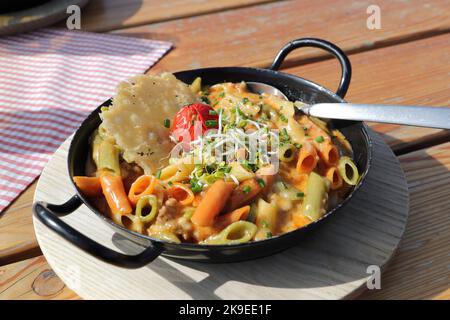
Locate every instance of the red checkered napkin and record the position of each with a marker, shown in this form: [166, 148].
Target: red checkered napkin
[50, 80]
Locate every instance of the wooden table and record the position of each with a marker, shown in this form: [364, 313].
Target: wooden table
[407, 61]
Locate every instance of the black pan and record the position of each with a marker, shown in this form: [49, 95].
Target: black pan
[295, 88]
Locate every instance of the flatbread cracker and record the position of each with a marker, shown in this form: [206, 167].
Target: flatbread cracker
[136, 118]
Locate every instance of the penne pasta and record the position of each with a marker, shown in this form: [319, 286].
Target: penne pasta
[225, 219]
[89, 186]
[328, 153]
[236, 233]
[266, 219]
[114, 192]
[348, 171]
[333, 175]
[146, 208]
[316, 195]
[212, 203]
[142, 186]
[307, 158]
[182, 193]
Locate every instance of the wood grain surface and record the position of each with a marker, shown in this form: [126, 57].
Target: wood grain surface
[420, 270]
[105, 15]
[252, 36]
[32, 279]
[330, 263]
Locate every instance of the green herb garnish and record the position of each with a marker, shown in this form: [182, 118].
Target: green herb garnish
[167, 123]
[211, 123]
[158, 174]
[261, 183]
[246, 189]
[320, 139]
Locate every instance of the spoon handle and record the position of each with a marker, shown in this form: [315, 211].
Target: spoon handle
[432, 117]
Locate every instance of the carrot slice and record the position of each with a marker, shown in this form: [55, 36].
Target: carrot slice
[212, 203]
[115, 195]
[300, 220]
[89, 186]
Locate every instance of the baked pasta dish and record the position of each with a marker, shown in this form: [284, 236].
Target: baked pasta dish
[212, 164]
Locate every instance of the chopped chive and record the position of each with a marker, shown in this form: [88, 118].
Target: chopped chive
[167, 123]
[245, 100]
[242, 123]
[222, 94]
[158, 174]
[211, 123]
[298, 145]
[269, 234]
[300, 194]
[170, 183]
[320, 139]
[261, 183]
[212, 113]
[283, 118]
[246, 189]
[265, 224]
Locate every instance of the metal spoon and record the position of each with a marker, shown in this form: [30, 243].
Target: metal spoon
[432, 117]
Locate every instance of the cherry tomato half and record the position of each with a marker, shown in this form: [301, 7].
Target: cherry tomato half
[190, 117]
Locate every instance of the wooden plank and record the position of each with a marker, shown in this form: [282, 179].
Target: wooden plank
[105, 15]
[17, 239]
[32, 279]
[414, 73]
[252, 36]
[420, 269]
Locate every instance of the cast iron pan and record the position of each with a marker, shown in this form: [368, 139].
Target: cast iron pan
[295, 88]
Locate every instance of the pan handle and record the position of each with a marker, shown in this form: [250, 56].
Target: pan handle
[49, 214]
[346, 67]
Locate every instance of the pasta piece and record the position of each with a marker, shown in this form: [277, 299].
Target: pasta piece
[181, 193]
[265, 177]
[300, 220]
[177, 172]
[166, 236]
[226, 219]
[89, 186]
[143, 186]
[307, 158]
[316, 196]
[196, 85]
[287, 152]
[239, 172]
[328, 153]
[295, 131]
[266, 219]
[334, 177]
[148, 203]
[348, 171]
[115, 195]
[212, 203]
[105, 155]
[243, 194]
[236, 233]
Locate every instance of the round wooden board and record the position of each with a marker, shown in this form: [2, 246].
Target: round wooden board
[36, 17]
[331, 263]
